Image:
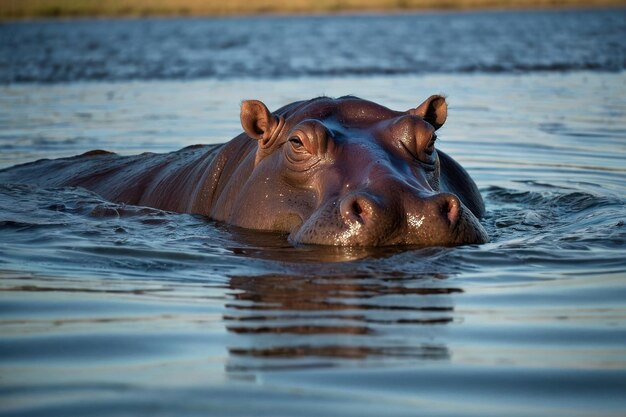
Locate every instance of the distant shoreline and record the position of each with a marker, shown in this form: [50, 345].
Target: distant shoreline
[46, 9]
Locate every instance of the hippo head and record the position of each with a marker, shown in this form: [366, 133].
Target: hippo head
[350, 172]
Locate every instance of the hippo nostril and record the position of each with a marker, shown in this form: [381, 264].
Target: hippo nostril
[450, 208]
[356, 208]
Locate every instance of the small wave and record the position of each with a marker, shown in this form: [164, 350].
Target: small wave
[551, 226]
[572, 201]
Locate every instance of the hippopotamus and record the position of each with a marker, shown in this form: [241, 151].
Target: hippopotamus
[344, 172]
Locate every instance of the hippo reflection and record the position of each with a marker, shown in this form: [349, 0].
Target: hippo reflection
[291, 321]
[344, 172]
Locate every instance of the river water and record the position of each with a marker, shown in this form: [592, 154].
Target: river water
[111, 310]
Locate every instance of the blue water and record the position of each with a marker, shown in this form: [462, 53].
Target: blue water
[287, 47]
[118, 310]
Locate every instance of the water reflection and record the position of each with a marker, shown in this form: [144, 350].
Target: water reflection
[292, 321]
[275, 246]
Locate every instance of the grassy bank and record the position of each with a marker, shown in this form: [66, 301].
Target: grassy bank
[18, 9]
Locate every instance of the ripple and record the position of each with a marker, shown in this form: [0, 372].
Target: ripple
[155, 49]
[202, 314]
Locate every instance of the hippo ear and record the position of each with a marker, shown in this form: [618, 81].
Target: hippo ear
[259, 123]
[434, 110]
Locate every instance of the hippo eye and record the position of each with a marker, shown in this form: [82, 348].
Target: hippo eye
[296, 142]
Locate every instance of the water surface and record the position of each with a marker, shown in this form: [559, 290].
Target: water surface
[305, 46]
[118, 310]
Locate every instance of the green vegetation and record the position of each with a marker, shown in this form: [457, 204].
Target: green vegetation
[17, 9]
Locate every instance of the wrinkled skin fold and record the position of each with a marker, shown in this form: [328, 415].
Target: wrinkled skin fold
[346, 172]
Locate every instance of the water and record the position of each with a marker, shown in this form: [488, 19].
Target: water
[282, 47]
[120, 310]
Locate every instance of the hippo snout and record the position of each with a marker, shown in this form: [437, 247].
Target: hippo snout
[369, 219]
[366, 208]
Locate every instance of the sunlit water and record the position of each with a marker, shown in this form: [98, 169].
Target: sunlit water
[118, 310]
